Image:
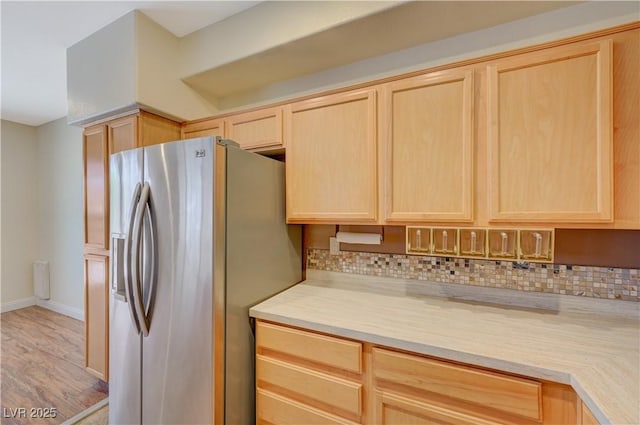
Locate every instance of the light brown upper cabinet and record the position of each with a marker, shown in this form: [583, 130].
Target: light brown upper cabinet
[153, 129]
[331, 162]
[550, 135]
[428, 147]
[122, 133]
[545, 135]
[141, 129]
[257, 130]
[202, 128]
[96, 191]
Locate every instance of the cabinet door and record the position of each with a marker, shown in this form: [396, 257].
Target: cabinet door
[258, 130]
[154, 129]
[429, 147]
[96, 189]
[394, 409]
[550, 135]
[331, 159]
[212, 127]
[123, 134]
[96, 311]
[477, 388]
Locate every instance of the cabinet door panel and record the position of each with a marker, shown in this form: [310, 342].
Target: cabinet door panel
[257, 130]
[331, 159]
[154, 129]
[96, 189]
[96, 305]
[123, 134]
[393, 409]
[550, 135]
[429, 147]
[508, 394]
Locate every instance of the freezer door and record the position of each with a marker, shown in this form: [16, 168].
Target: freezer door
[177, 353]
[124, 340]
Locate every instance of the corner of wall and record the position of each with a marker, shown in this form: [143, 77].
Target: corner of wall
[101, 71]
[59, 219]
[18, 213]
[158, 84]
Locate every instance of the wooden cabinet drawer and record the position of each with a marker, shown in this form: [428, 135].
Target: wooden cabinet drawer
[327, 391]
[508, 394]
[394, 409]
[322, 349]
[277, 410]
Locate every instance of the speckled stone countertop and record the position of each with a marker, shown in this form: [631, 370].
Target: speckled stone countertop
[592, 345]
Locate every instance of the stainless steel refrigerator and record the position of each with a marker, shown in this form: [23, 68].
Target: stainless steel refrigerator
[198, 236]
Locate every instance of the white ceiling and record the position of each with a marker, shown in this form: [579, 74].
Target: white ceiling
[36, 34]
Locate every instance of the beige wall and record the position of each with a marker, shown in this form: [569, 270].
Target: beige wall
[19, 216]
[553, 25]
[41, 179]
[101, 74]
[59, 196]
[147, 65]
[158, 85]
[267, 25]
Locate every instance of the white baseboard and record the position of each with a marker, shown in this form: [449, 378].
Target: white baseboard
[76, 313]
[15, 305]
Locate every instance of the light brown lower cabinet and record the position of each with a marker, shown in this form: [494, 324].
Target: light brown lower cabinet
[307, 378]
[96, 302]
[312, 378]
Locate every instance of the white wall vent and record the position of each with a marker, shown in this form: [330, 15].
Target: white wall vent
[41, 288]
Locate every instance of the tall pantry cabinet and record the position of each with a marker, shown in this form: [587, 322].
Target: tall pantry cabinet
[100, 141]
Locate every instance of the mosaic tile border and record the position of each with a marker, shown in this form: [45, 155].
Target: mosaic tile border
[595, 282]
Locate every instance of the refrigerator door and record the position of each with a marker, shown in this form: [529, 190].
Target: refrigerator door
[124, 339]
[177, 353]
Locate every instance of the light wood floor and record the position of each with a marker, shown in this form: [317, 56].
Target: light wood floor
[42, 364]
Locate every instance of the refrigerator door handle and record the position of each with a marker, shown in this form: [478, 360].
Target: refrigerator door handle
[135, 259]
[150, 256]
[128, 276]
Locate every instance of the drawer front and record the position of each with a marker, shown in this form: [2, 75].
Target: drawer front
[277, 410]
[322, 349]
[395, 409]
[507, 394]
[318, 387]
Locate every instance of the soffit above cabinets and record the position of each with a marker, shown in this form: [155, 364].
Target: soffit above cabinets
[407, 25]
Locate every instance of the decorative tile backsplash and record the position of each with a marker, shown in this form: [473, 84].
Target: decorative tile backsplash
[596, 282]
